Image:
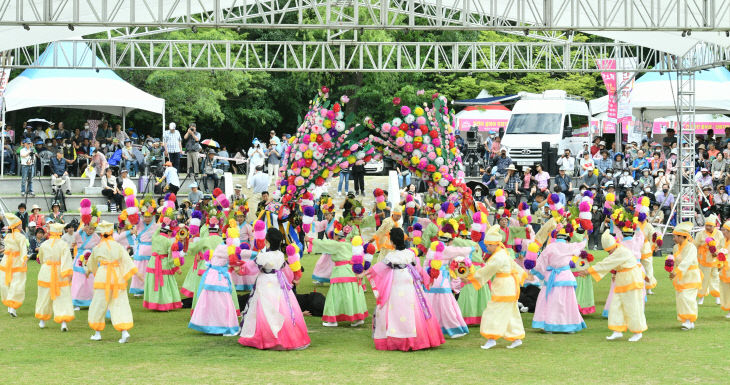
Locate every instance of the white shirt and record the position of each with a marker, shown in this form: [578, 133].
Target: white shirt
[172, 141]
[259, 182]
[128, 183]
[25, 158]
[171, 176]
[567, 164]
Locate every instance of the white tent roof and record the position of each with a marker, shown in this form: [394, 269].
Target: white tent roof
[655, 93]
[85, 89]
[599, 105]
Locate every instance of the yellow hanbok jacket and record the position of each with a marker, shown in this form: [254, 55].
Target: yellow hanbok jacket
[506, 276]
[647, 249]
[13, 269]
[112, 267]
[704, 257]
[629, 275]
[686, 270]
[545, 230]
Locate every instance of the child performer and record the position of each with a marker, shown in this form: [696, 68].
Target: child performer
[161, 292]
[708, 259]
[686, 275]
[245, 231]
[215, 312]
[112, 268]
[472, 302]
[54, 280]
[13, 266]
[556, 309]
[82, 285]
[647, 249]
[272, 318]
[345, 299]
[403, 318]
[325, 229]
[143, 244]
[501, 318]
[627, 305]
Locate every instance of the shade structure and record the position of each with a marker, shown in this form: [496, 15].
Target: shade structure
[655, 93]
[488, 117]
[101, 90]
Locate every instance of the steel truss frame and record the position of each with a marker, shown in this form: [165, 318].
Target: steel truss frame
[349, 56]
[550, 15]
[686, 144]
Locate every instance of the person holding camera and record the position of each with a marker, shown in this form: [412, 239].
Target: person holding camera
[27, 167]
[155, 156]
[566, 163]
[192, 148]
[59, 175]
[172, 144]
[256, 155]
[209, 166]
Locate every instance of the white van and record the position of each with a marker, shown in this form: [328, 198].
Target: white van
[552, 116]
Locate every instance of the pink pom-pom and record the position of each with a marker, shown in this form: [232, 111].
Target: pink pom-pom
[584, 206]
[259, 225]
[85, 203]
[290, 251]
[358, 259]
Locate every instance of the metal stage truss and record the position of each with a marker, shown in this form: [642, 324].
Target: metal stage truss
[351, 56]
[503, 15]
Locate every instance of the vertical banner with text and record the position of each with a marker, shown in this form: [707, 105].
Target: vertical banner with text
[609, 79]
[5, 62]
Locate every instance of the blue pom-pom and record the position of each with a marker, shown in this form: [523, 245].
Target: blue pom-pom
[529, 264]
[606, 211]
[588, 193]
[309, 211]
[642, 217]
[367, 265]
[417, 227]
[245, 246]
[518, 248]
[572, 265]
[357, 268]
[197, 214]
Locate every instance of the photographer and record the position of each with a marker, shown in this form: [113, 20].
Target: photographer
[192, 148]
[256, 156]
[209, 166]
[27, 167]
[274, 158]
[155, 156]
[566, 163]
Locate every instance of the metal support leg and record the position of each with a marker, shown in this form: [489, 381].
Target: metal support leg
[686, 117]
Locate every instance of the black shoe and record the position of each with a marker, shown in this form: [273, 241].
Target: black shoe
[68, 192]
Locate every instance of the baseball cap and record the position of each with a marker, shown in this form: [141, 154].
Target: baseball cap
[27, 140]
[237, 186]
[194, 184]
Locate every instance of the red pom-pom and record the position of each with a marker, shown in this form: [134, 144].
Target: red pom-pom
[217, 191]
[370, 249]
[712, 249]
[721, 257]
[433, 273]
[659, 242]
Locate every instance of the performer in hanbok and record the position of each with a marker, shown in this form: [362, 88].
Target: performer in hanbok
[725, 270]
[245, 230]
[215, 312]
[403, 318]
[345, 301]
[82, 285]
[686, 275]
[501, 318]
[200, 251]
[272, 318]
[54, 280]
[112, 268]
[161, 292]
[431, 229]
[471, 301]
[382, 235]
[647, 249]
[627, 306]
[557, 309]
[707, 257]
[143, 244]
[440, 288]
[13, 266]
[325, 230]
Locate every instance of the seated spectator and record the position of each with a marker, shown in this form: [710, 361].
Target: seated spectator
[590, 178]
[646, 180]
[703, 178]
[23, 216]
[719, 169]
[656, 216]
[721, 196]
[603, 163]
[130, 163]
[586, 164]
[665, 199]
[59, 173]
[639, 164]
[38, 219]
[542, 178]
[69, 154]
[56, 215]
[195, 194]
[35, 242]
[619, 164]
[111, 191]
[127, 183]
[209, 165]
[223, 164]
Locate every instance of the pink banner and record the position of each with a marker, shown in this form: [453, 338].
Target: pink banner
[609, 79]
[700, 127]
[483, 124]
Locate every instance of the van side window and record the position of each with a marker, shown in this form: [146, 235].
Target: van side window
[578, 121]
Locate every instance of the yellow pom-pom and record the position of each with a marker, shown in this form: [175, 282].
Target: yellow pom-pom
[436, 264]
[533, 247]
[610, 197]
[357, 240]
[645, 201]
[128, 191]
[417, 240]
[381, 205]
[296, 266]
[499, 193]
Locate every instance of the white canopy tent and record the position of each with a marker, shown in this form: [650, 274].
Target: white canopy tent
[102, 91]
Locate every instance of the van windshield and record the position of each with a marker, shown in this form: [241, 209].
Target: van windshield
[534, 124]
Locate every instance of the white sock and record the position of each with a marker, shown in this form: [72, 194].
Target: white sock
[12, 312]
[717, 301]
[329, 324]
[357, 323]
[96, 336]
[687, 325]
[701, 300]
[42, 324]
[515, 344]
[615, 335]
[64, 327]
[727, 315]
[77, 308]
[635, 337]
[489, 344]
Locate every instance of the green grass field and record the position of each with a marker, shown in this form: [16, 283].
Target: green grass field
[163, 350]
